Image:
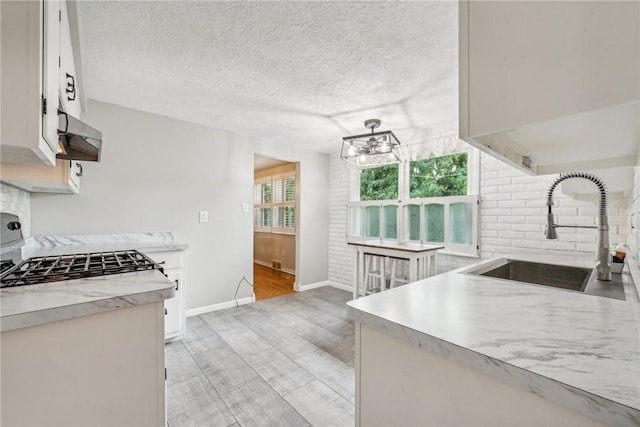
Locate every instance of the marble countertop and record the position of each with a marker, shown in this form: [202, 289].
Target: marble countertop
[24, 306]
[581, 351]
[62, 245]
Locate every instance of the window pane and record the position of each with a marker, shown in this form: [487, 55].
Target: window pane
[355, 221]
[289, 217]
[434, 223]
[390, 222]
[277, 191]
[266, 217]
[257, 217]
[290, 189]
[266, 192]
[413, 222]
[438, 176]
[373, 221]
[277, 216]
[461, 223]
[379, 183]
[257, 194]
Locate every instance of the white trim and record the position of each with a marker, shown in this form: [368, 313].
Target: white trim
[348, 288]
[302, 288]
[220, 306]
[266, 264]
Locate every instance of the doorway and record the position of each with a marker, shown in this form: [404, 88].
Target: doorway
[275, 198]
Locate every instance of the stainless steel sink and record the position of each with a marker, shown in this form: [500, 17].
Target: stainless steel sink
[557, 276]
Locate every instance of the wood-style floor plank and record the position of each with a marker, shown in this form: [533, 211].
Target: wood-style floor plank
[322, 406]
[269, 283]
[280, 361]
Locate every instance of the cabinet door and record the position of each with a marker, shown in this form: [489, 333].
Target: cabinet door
[75, 172]
[69, 93]
[173, 307]
[50, 68]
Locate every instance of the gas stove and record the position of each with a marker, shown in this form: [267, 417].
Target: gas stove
[44, 269]
[75, 266]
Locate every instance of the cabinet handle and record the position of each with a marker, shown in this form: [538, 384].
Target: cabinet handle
[71, 88]
[79, 174]
[66, 121]
[162, 262]
[165, 311]
[177, 284]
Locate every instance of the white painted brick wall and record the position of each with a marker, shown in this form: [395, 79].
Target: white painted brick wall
[340, 254]
[514, 206]
[512, 218]
[17, 202]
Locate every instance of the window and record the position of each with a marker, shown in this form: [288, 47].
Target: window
[274, 203]
[379, 183]
[439, 206]
[438, 176]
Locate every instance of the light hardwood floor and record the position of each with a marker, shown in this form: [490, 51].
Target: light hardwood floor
[285, 361]
[269, 283]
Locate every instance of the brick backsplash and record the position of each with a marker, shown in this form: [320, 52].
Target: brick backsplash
[17, 202]
[512, 218]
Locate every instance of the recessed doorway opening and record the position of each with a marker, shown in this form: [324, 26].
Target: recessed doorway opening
[275, 213]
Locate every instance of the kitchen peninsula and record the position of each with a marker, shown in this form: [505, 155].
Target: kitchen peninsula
[459, 349]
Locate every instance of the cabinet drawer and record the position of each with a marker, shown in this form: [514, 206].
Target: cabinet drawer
[167, 260]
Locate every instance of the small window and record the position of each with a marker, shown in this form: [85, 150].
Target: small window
[379, 183]
[438, 176]
[434, 223]
[274, 204]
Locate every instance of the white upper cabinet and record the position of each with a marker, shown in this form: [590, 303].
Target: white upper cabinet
[69, 95]
[30, 40]
[551, 86]
[63, 178]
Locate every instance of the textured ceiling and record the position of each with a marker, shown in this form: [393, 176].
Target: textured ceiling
[301, 73]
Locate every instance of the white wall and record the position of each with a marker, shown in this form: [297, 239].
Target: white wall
[634, 212]
[512, 218]
[18, 202]
[156, 173]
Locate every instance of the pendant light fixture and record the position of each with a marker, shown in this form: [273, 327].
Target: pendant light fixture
[371, 149]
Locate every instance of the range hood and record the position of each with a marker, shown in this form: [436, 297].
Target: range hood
[77, 140]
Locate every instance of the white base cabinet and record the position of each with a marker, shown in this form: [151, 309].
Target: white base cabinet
[399, 384]
[105, 369]
[174, 308]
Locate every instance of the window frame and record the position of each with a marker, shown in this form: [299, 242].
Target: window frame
[357, 218]
[273, 205]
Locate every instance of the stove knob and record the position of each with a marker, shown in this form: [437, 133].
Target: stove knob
[14, 225]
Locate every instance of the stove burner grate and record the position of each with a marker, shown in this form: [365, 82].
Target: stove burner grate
[75, 266]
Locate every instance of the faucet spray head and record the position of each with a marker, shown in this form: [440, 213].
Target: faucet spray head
[550, 231]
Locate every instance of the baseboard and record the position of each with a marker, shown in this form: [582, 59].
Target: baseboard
[221, 306]
[348, 288]
[302, 288]
[266, 264]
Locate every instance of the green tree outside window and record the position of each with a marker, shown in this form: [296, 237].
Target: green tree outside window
[379, 183]
[438, 176]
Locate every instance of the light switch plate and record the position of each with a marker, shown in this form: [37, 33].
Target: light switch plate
[204, 216]
[245, 207]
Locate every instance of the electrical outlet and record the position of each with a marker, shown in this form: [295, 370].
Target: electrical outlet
[204, 216]
[245, 207]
